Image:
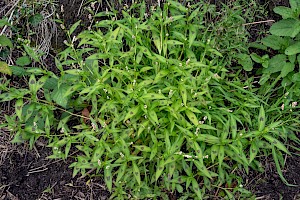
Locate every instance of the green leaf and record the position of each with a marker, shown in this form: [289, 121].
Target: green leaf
[277, 143]
[73, 27]
[108, 177]
[178, 6]
[286, 27]
[192, 34]
[221, 155]
[5, 69]
[160, 75]
[194, 14]
[261, 119]
[136, 172]
[214, 152]
[132, 112]
[183, 93]
[151, 96]
[287, 68]
[5, 41]
[253, 151]
[273, 41]
[23, 61]
[18, 108]
[295, 5]
[196, 189]
[35, 19]
[277, 164]
[285, 12]
[245, 61]
[4, 22]
[160, 169]
[58, 96]
[192, 117]
[276, 63]
[296, 77]
[152, 116]
[293, 49]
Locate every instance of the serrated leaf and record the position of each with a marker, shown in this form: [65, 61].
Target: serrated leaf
[273, 41]
[23, 61]
[286, 27]
[58, 95]
[276, 63]
[295, 5]
[5, 41]
[5, 69]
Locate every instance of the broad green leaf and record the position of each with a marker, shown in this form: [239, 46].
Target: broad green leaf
[261, 119]
[276, 63]
[285, 12]
[132, 112]
[5, 69]
[73, 27]
[4, 22]
[277, 143]
[296, 77]
[245, 61]
[192, 117]
[287, 68]
[295, 5]
[264, 78]
[293, 49]
[32, 84]
[31, 52]
[136, 172]
[273, 41]
[58, 96]
[23, 61]
[5, 41]
[286, 27]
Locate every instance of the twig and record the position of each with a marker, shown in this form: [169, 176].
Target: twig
[259, 22]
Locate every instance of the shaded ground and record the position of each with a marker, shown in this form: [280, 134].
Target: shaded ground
[30, 175]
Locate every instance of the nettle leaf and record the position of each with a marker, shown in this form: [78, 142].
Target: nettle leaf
[276, 63]
[273, 41]
[4, 68]
[23, 61]
[245, 61]
[286, 27]
[287, 68]
[5, 41]
[285, 12]
[293, 49]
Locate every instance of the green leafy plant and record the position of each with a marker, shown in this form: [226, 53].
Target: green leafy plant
[147, 104]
